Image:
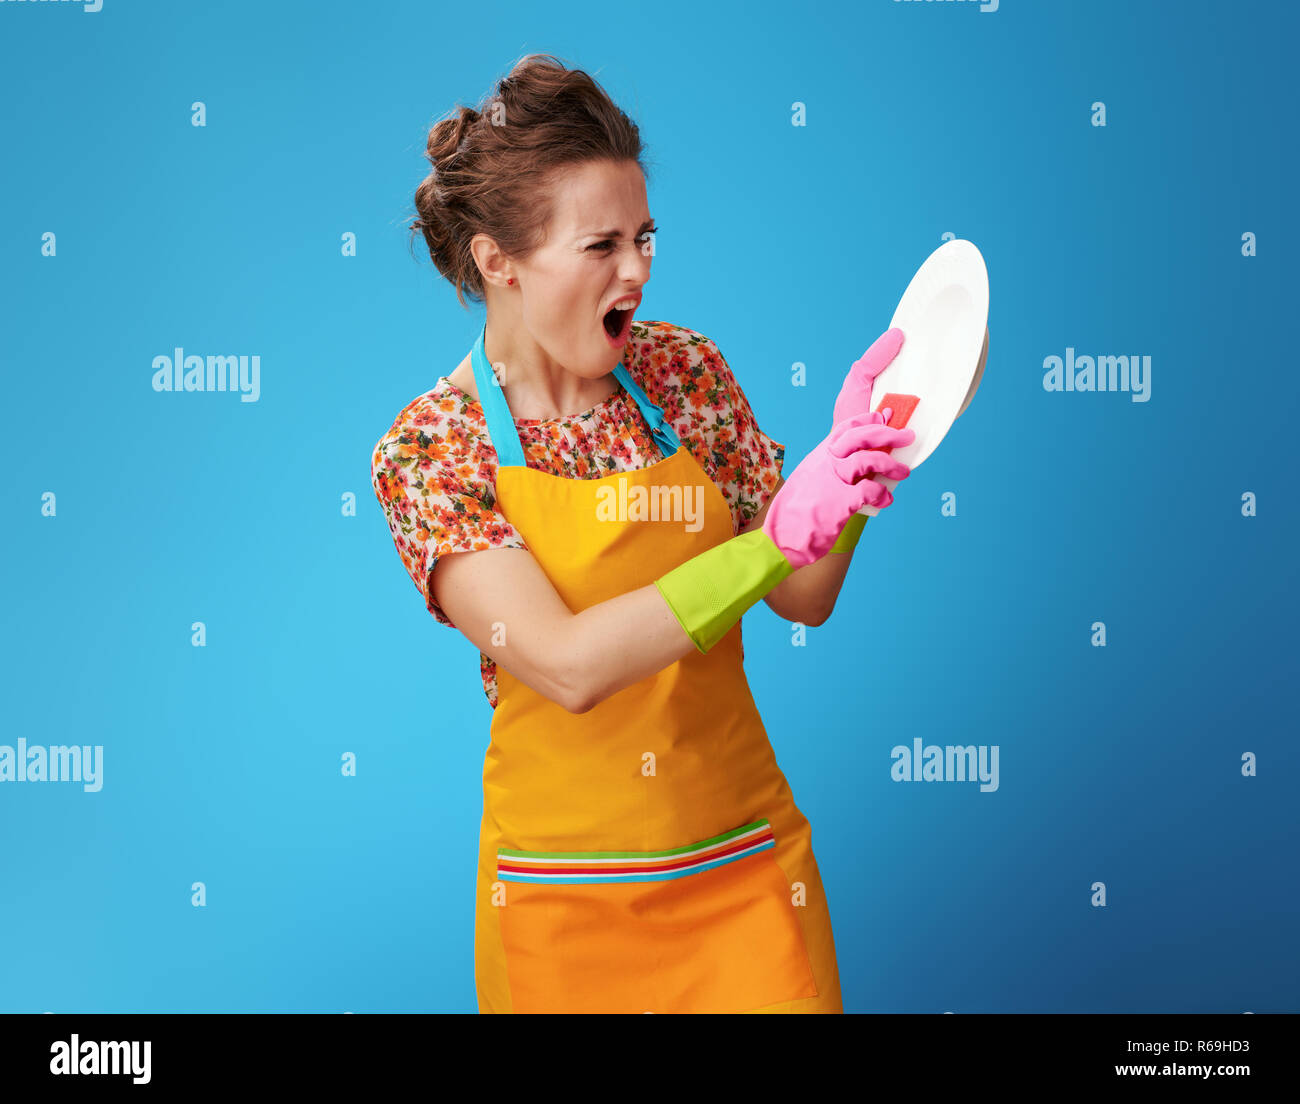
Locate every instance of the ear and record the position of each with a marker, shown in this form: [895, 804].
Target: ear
[492, 264]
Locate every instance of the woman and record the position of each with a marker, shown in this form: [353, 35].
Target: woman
[640, 850]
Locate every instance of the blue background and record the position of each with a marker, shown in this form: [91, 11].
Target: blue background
[1118, 764]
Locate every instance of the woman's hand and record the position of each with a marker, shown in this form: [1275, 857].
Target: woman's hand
[855, 393]
[805, 517]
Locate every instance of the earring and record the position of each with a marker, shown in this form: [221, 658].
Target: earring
[511, 280]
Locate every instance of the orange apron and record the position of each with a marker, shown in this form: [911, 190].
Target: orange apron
[647, 855]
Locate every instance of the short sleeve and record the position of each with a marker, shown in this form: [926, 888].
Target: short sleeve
[747, 462]
[431, 510]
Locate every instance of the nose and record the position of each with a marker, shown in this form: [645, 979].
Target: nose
[634, 261]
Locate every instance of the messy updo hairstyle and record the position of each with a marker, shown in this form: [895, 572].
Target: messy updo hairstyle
[491, 163]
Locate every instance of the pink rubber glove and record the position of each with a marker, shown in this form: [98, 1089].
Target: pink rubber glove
[831, 484]
[855, 393]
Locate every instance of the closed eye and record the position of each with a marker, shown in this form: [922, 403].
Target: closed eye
[609, 243]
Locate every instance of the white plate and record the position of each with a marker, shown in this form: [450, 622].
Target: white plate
[943, 315]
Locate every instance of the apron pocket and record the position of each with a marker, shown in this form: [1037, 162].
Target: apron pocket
[708, 927]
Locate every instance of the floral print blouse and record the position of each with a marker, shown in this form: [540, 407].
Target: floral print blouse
[434, 471]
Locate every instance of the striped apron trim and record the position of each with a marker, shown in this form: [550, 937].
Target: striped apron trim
[579, 867]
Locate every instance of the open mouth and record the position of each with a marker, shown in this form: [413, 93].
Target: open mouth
[617, 324]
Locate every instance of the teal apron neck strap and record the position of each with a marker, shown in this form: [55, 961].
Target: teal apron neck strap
[501, 424]
[664, 434]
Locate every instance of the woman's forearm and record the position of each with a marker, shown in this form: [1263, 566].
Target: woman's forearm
[616, 643]
[808, 595]
[579, 660]
[505, 605]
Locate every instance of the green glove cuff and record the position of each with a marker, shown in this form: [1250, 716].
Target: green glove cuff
[709, 592]
[850, 533]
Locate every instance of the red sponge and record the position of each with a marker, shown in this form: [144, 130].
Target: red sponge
[902, 406]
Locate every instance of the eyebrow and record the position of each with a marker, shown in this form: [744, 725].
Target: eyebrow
[614, 233]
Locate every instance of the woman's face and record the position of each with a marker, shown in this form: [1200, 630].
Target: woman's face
[596, 252]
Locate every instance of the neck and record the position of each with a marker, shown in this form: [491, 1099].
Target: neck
[534, 384]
